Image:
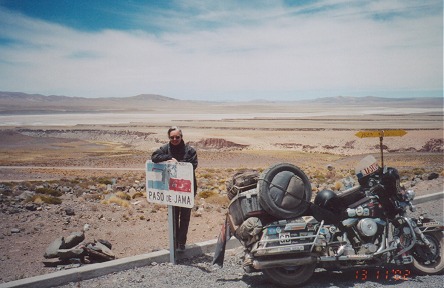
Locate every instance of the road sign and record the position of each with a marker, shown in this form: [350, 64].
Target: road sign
[380, 133]
[170, 183]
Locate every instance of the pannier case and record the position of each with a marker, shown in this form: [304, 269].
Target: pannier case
[242, 206]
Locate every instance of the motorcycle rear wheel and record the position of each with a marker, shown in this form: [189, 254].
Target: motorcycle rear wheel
[429, 262]
[290, 276]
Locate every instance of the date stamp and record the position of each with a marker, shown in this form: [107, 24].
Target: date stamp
[382, 274]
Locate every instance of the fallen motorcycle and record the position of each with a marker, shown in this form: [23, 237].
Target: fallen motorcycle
[287, 236]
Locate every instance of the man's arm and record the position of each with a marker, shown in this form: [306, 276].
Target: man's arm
[161, 155]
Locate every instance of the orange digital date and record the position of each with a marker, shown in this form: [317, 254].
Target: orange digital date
[385, 274]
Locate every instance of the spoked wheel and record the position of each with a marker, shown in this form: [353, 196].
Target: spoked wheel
[429, 261]
[290, 276]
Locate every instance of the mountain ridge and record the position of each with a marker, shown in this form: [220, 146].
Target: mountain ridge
[16, 102]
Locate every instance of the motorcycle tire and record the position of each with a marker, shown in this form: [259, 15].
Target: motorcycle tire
[290, 276]
[279, 177]
[429, 262]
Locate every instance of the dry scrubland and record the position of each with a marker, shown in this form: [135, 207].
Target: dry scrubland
[83, 161]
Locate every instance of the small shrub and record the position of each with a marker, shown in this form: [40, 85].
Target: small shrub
[418, 171]
[93, 197]
[138, 194]
[104, 181]
[49, 191]
[338, 185]
[123, 195]
[206, 175]
[218, 200]
[156, 208]
[116, 200]
[7, 184]
[46, 199]
[206, 194]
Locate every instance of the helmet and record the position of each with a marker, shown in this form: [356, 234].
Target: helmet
[391, 180]
[326, 199]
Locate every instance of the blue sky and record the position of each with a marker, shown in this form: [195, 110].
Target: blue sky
[222, 50]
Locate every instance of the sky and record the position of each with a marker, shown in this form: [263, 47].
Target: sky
[222, 50]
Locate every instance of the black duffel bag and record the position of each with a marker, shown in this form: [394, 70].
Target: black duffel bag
[242, 180]
[284, 191]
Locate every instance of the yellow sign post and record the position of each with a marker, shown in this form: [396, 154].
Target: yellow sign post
[381, 134]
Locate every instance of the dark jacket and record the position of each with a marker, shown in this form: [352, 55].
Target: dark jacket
[182, 153]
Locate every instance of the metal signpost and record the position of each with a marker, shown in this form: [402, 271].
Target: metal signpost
[381, 134]
[170, 183]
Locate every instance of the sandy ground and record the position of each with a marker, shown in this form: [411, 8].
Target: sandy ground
[36, 153]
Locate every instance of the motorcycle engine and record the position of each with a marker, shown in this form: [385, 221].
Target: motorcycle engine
[367, 227]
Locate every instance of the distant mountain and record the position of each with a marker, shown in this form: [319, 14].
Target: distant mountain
[17, 103]
[13, 102]
[151, 97]
[372, 100]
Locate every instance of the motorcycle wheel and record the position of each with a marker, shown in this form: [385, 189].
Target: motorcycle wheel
[429, 262]
[290, 276]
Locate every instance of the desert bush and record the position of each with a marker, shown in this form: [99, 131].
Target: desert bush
[338, 185]
[217, 199]
[139, 194]
[123, 195]
[418, 171]
[93, 197]
[319, 176]
[207, 193]
[46, 199]
[206, 175]
[7, 184]
[116, 200]
[104, 181]
[27, 184]
[156, 208]
[49, 191]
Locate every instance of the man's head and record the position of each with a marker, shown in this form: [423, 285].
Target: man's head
[175, 135]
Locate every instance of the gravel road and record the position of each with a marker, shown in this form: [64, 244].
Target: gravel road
[198, 272]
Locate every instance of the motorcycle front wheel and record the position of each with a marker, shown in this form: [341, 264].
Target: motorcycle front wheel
[290, 276]
[429, 261]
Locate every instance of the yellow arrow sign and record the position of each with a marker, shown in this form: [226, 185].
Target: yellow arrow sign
[380, 133]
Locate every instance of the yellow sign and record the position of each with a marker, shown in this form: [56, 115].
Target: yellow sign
[380, 133]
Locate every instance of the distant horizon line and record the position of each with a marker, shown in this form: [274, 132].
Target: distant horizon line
[222, 101]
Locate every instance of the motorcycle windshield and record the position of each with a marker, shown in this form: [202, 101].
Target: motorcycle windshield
[367, 166]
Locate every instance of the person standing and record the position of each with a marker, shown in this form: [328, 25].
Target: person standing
[176, 150]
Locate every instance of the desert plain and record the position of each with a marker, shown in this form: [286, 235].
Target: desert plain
[96, 148]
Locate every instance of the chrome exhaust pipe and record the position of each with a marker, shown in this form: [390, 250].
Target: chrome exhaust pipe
[266, 264]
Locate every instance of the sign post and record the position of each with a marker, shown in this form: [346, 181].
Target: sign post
[170, 183]
[381, 134]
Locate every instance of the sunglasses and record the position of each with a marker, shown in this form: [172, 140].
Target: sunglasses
[175, 137]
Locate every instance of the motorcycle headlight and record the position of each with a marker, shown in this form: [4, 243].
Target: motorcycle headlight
[409, 195]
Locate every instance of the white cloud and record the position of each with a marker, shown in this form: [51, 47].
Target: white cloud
[272, 51]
